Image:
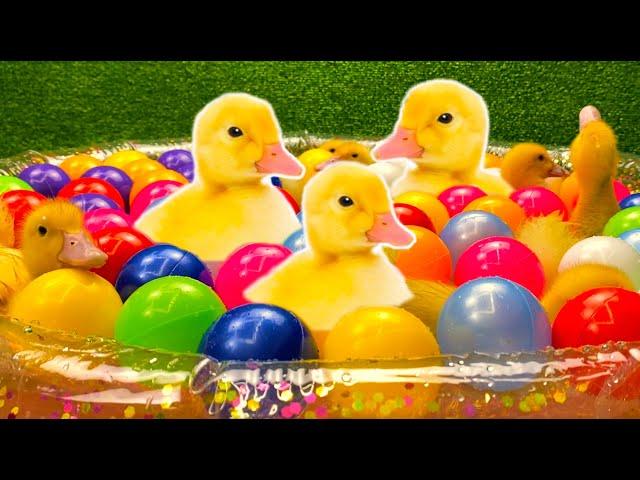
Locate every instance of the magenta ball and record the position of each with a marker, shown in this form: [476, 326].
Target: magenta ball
[503, 257]
[102, 218]
[152, 192]
[458, 197]
[245, 266]
[539, 202]
[620, 190]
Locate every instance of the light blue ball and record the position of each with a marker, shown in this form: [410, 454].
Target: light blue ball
[296, 241]
[632, 237]
[299, 215]
[466, 228]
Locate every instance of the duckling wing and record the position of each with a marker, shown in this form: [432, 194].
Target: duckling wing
[14, 275]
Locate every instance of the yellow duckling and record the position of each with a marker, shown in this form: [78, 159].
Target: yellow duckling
[348, 214]
[236, 143]
[348, 150]
[530, 165]
[312, 160]
[443, 128]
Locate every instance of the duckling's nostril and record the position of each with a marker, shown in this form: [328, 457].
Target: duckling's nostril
[73, 242]
[273, 154]
[405, 138]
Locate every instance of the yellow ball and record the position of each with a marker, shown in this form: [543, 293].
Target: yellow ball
[76, 165]
[69, 299]
[124, 157]
[148, 178]
[141, 167]
[429, 204]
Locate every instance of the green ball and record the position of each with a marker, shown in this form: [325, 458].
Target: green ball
[7, 184]
[169, 313]
[623, 221]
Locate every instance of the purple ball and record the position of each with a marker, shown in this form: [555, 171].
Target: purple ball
[114, 176]
[180, 161]
[45, 178]
[93, 201]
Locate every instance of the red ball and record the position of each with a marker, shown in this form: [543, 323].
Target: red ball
[539, 202]
[410, 215]
[598, 316]
[149, 194]
[458, 197]
[291, 200]
[20, 203]
[120, 244]
[91, 185]
[620, 190]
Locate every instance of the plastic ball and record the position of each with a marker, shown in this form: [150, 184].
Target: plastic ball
[624, 220]
[161, 260]
[492, 315]
[91, 185]
[620, 190]
[539, 202]
[124, 157]
[76, 165]
[120, 244]
[457, 197]
[427, 259]
[7, 184]
[103, 218]
[632, 237]
[503, 257]
[296, 241]
[503, 207]
[146, 179]
[466, 228]
[151, 193]
[410, 215]
[170, 313]
[610, 251]
[114, 176]
[70, 299]
[258, 332]
[88, 202]
[20, 203]
[290, 200]
[44, 178]
[141, 167]
[243, 267]
[299, 216]
[632, 200]
[429, 204]
[180, 161]
[598, 316]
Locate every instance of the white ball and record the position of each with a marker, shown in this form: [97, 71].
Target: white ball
[609, 251]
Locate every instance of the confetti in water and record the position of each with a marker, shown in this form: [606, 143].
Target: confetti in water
[253, 405]
[286, 396]
[559, 397]
[3, 391]
[130, 411]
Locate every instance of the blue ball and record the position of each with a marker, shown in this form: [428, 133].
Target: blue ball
[299, 215]
[632, 237]
[466, 228]
[44, 178]
[161, 260]
[296, 241]
[92, 201]
[258, 332]
[632, 200]
[276, 181]
[180, 161]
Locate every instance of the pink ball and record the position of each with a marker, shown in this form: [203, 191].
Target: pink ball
[245, 266]
[150, 193]
[539, 202]
[102, 218]
[621, 190]
[458, 197]
[501, 257]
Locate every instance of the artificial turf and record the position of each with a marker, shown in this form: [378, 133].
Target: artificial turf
[46, 106]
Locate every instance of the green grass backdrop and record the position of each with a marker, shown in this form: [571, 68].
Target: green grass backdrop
[51, 105]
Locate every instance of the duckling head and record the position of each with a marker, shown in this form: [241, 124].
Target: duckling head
[443, 125]
[54, 237]
[594, 155]
[347, 209]
[529, 164]
[237, 140]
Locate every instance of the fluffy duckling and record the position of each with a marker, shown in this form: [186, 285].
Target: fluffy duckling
[348, 214]
[236, 143]
[443, 127]
[312, 160]
[348, 150]
[7, 235]
[529, 165]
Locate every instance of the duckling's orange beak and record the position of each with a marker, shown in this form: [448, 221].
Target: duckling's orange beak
[401, 144]
[387, 229]
[277, 160]
[79, 251]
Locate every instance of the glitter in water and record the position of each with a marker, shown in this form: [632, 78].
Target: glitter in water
[130, 411]
[559, 397]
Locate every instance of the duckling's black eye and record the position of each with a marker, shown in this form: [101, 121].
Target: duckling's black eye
[332, 150]
[445, 118]
[234, 132]
[354, 155]
[345, 201]
[42, 231]
[541, 157]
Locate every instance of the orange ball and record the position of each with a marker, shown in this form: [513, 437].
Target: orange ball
[155, 176]
[503, 207]
[124, 157]
[569, 192]
[427, 259]
[429, 204]
[141, 167]
[76, 165]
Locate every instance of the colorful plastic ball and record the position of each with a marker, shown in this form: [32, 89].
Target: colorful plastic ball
[609, 251]
[156, 176]
[180, 161]
[161, 260]
[632, 200]
[45, 178]
[503, 257]
[70, 299]
[466, 228]
[76, 165]
[169, 313]
[243, 267]
[457, 197]
[503, 207]
[120, 244]
[103, 218]
[91, 185]
[276, 182]
[299, 215]
[113, 176]
[620, 190]
[150, 194]
[632, 237]
[124, 157]
[8, 184]
[624, 220]
[429, 204]
[427, 259]
[539, 202]
[290, 200]
[92, 201]
[410, 215]
[20, 203]
[296, 241]
[258, 332]
[598, 316]
[141, 167]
